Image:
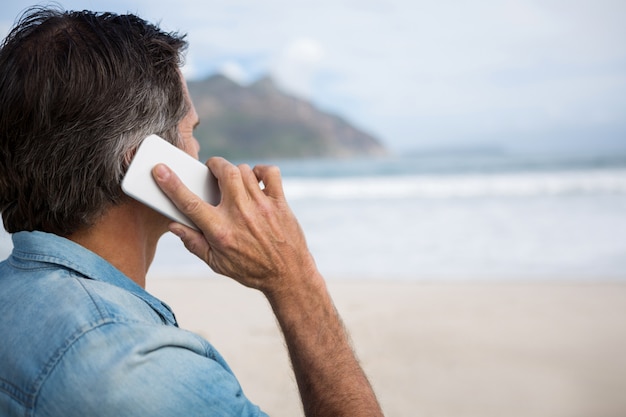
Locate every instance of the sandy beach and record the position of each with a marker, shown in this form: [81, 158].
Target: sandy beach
[436, 349]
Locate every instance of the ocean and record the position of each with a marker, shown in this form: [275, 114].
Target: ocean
[473, 215]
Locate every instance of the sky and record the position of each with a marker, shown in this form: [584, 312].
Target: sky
[538, 75]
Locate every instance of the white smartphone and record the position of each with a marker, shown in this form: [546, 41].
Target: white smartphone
[139, 183]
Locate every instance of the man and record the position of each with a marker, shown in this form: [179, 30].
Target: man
[80, 335]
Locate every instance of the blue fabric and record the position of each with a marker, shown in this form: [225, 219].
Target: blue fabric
[79, 338]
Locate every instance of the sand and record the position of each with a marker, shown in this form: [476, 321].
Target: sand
[554, 349]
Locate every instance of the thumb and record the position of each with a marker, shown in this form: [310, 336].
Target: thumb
[193, 240]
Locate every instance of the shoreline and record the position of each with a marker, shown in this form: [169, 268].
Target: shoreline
[431, 348]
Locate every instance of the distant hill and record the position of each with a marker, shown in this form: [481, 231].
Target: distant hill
[261, 121]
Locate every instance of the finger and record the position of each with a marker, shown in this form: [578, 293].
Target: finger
[250, 180]
[192, 206]
[193, 240]
[270, 175]
[229, 178]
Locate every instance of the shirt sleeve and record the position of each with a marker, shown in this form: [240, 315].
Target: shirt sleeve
[128, 369]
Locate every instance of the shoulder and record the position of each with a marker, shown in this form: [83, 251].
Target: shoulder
[139, 369]
[81, 347]
[74, 346]
[45, 312]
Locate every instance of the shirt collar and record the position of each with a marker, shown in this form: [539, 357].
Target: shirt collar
[53, 249]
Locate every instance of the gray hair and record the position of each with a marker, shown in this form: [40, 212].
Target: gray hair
[78, 93]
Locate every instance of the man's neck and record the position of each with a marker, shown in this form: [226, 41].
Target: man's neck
[126, 236]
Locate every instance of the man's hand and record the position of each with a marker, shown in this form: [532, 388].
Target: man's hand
[253, 237]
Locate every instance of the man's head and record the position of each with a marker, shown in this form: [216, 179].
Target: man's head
[78, 93]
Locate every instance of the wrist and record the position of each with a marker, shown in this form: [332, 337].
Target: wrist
[298, 292]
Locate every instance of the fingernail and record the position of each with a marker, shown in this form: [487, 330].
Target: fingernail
[162, 172]
[177, 231]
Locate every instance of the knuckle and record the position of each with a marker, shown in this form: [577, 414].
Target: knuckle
[191, 246]
[191, 205]
[223, 238]
[273, 170]
[232, 173]
[265, 207]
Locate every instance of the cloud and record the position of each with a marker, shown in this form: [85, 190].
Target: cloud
[416, 71]
[296, 65]
[234, 71]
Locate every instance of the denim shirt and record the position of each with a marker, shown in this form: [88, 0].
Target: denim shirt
[79, 338]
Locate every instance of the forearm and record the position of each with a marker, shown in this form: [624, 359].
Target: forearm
[329, 377]
[253, 237]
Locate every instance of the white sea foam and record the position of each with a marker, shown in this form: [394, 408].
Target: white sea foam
[449, 223]
[520, 184]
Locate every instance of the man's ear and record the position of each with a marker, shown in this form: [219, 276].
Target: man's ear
[128, 157]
